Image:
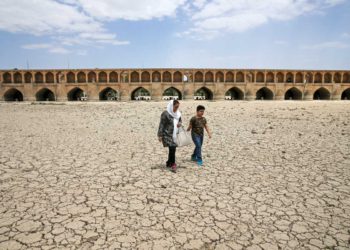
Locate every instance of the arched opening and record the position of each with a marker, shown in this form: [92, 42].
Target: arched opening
[198, 77]
[108, 94]
[260, 77]
[299, 78]
[135, 77]
[280, 77]
[203, 94]
[239, 77]
[145, 76]
[177, 76]
[39, 78]
[209, 77]
[293, 94]
[166, 76]
[92, 76]
[346, 78]
[45, 95]
[318, 78]
[124, 76]
[264, 94]
[81, 77]
[328, 78]
[156, 76]
[70, 77]
[322, 94]
[188, 77]
[172, 94]
[49, 77]
[337, 78]
[234, 94]
[346, 94]
[17, 77]
[28, 77]
[219, 76]
[7, 78]
[140, 94]
[289, 78]
[13, 95]
[75, 94]
[270, 77]
[309, 78]
[102, 76]
[229, 77]
[113, 77]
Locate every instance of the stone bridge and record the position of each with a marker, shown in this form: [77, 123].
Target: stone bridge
[146, 84]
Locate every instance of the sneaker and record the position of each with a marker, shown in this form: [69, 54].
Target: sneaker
[193, 158]
[173, 168]
[200, 163]
[167, 164]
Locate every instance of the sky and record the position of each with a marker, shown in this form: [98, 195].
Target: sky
[261, 34]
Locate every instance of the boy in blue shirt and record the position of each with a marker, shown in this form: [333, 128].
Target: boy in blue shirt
[197, 125]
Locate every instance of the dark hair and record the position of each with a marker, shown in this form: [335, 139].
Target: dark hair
[176, 102]
[200, 107]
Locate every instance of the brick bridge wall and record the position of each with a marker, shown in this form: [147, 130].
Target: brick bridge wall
[333, 85]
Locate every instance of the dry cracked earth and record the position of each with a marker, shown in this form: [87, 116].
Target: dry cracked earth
[91, 176]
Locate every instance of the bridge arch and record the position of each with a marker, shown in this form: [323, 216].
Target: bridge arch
[198, 77]
[28, 77]
[108, 94]
[75, 94]
[45, 94]
[81, 77]
[13, 95]
[156, 76]
[234, 93]
[178, 76]
[172, 93]
[145, 76]
[17, 77]
[240, 77]
[140, 94]
[229, 77]
[203, 93]
[113, 76]
[166, 76]
[346, 94]
[49, 77]
[322, 94]
[264, 93]
[293, 94]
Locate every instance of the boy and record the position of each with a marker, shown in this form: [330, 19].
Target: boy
[197, 125]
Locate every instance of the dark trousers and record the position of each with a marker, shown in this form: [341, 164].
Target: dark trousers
[198, 141]
[171, 156]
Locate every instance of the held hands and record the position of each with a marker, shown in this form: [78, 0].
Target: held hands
[160, 139]
[179, 124]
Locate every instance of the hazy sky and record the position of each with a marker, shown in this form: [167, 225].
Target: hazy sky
[295, 34]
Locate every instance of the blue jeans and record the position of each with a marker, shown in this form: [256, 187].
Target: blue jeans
[198, 141]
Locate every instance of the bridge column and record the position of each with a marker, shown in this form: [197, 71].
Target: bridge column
[188, 91]
[61, 92]
[156, 91]
[92, 92]
[249, 92]
[220, 91]
[28, 93]
[336, 92]
[308, 94]
[125, 93]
